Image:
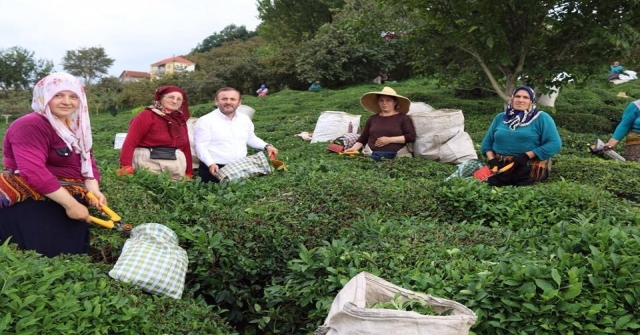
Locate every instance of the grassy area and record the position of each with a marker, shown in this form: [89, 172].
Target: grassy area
[272, 252]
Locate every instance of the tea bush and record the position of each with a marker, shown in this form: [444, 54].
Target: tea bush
[268, 255]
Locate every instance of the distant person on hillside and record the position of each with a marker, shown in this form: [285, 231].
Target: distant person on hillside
[615, 71]
[315, 86]
[262, 91]
[629, 126]
[48, 169]
[222, 136]
[389, 130]
[158, 139]
[381, 78]
[523, 135]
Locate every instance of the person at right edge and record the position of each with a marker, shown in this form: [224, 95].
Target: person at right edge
[629, 126]
[523, 135]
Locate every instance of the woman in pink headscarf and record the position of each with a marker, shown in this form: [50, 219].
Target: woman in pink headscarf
[49, 167]
[158, 139]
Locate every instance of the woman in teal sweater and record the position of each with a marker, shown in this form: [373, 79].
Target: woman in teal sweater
[629, 126]
[523, 135]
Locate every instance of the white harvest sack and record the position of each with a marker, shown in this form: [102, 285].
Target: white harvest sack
[191, 123]
[440, 136]
[349, 316]
[331, 125]
[152, 261]
[244, 109]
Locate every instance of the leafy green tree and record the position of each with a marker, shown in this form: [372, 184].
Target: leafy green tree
[333, 57]
[19, 70]
[505, 41]
[87, 63]
[294, 20]
[236, 63]
[229, 33]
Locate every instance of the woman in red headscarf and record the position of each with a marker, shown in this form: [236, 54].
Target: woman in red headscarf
[157, 139]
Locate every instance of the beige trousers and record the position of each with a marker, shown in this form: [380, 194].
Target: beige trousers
[175, 168]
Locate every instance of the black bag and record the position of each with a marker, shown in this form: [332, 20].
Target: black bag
[167, 153]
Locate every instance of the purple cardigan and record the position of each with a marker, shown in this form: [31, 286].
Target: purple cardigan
[32, 147]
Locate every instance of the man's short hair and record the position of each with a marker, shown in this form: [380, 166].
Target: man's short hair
[226, 89]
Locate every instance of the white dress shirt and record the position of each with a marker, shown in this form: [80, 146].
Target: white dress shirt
[220, 140]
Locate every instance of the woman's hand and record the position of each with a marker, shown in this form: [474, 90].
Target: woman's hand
[93, 186]
[78, 211]
[355, 148]
[382, 141]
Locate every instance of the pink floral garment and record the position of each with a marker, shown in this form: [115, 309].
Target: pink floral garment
[77, 132]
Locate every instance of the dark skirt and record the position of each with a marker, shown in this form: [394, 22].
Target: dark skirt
[43, 226]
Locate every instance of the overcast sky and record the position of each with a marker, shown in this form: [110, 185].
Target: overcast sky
[135, 33]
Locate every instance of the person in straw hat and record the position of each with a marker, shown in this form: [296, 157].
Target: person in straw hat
[389, 129]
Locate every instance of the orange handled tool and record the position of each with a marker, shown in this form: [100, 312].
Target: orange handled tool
[485, 173]
[115, 221]
[277, 163]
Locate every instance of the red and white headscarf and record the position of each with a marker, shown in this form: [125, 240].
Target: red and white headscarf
[76, 133]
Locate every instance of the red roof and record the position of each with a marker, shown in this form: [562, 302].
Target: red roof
[178, 59]
[134, 74]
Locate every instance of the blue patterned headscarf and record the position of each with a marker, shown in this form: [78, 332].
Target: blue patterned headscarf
[515, 118]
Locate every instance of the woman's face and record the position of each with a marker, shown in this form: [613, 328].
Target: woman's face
[172, 101]
[387, 103]
[521, 100]
[63, 104]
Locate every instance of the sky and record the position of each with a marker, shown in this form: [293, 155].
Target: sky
[135, 33]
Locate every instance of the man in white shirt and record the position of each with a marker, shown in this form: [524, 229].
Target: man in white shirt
[221, 137]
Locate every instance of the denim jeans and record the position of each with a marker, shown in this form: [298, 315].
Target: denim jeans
[378, 155]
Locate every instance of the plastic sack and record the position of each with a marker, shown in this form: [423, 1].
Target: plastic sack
[350, 316]
[152, 261]
[254, 165]
[331, 125]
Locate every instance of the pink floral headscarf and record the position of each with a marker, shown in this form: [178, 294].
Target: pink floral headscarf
[77, 132]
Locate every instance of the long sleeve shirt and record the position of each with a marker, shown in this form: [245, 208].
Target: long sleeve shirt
[630, 121]
[33, 148]
[395, 125]
[148, 129]
[541, 137]
[220, 140]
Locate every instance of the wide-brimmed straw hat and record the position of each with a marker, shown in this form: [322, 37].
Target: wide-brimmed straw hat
[623, 95]
[370, 100]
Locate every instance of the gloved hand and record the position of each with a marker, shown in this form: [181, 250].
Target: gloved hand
[125, 170]
[493, 163]
[521, 159]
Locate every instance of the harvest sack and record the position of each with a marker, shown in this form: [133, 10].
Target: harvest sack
[191, 123]
[349, 316]
[244, 109]
[440, 136]
[152, 260]
[331, 125]
[254, 165]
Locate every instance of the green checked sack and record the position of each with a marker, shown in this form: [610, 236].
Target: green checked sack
[152, 260]
[254, 165]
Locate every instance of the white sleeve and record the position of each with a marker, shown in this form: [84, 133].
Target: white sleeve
[202, 138]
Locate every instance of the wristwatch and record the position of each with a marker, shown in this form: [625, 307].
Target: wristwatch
[268, 145]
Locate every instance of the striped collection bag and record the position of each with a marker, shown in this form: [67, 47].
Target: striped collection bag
[152, 260]
[254, 165]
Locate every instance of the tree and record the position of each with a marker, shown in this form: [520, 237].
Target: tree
[294, 20]
[87, 63]
[509, 40]
[19, 70]
[229, 33]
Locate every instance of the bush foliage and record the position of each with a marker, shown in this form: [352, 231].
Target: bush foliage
[269, 254]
